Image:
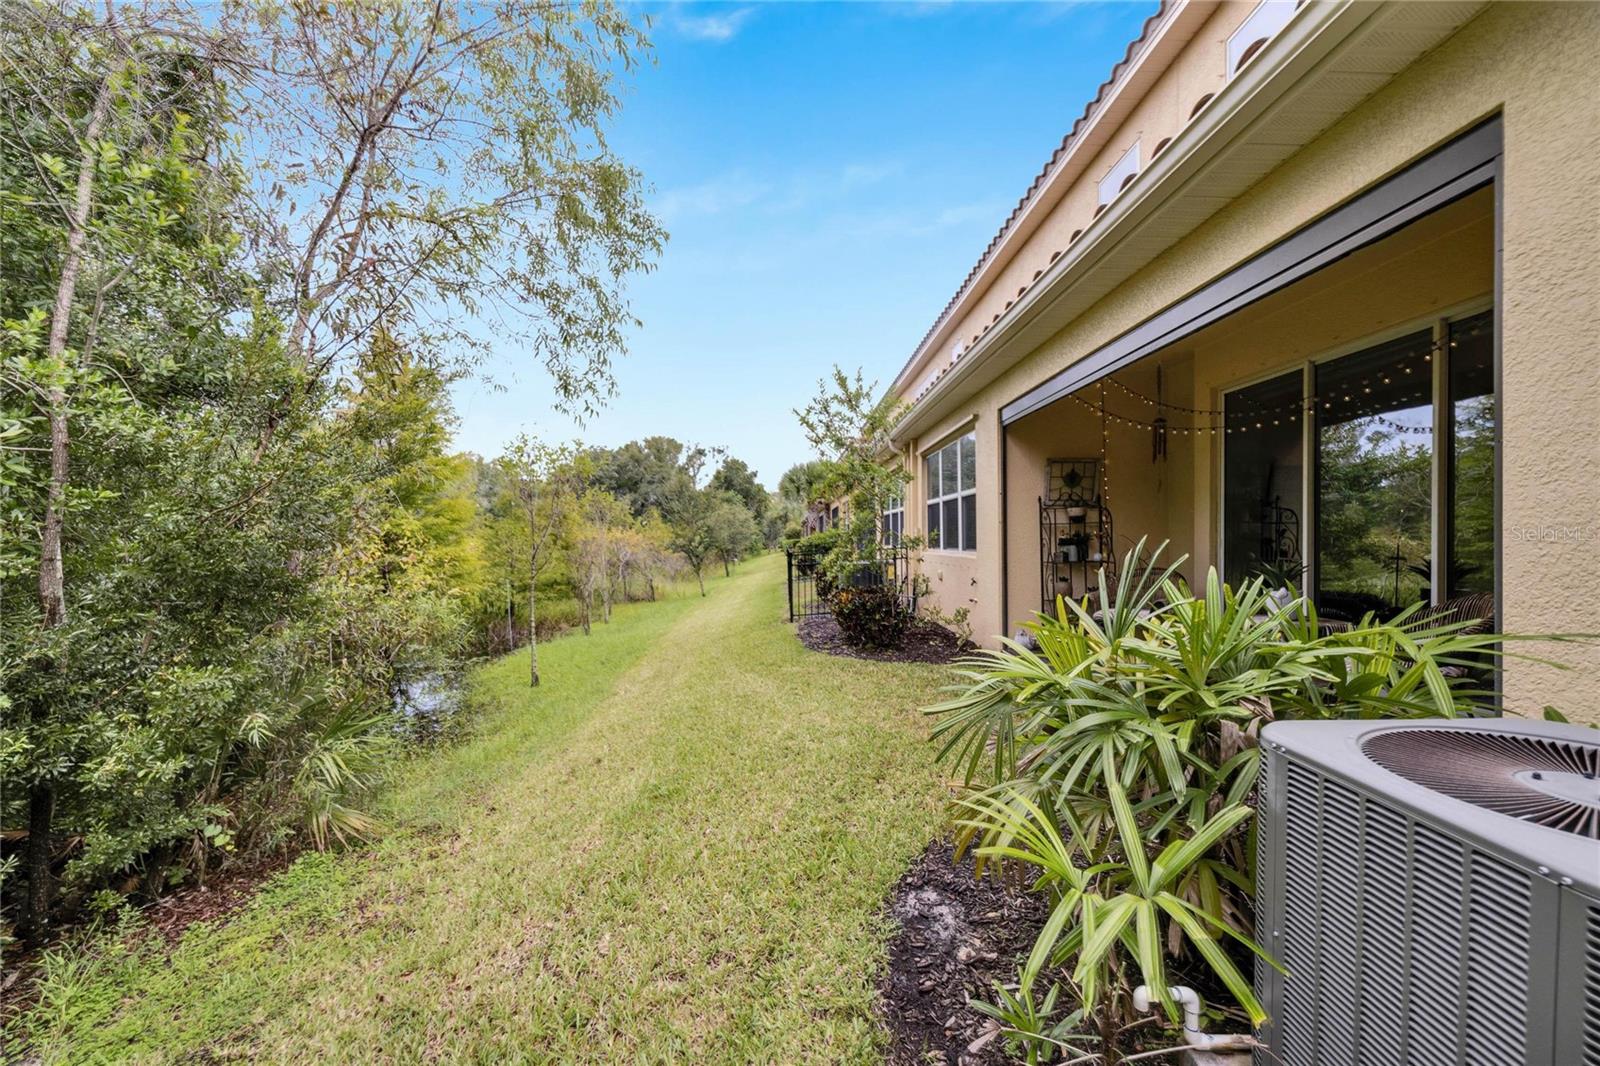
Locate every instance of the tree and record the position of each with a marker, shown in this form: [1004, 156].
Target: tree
[850, 430]
[653, 556]
[735, 476]
[231, 534]
[693, 536]
[644, 474]
[543, 480]
[596, 550]
[803, 483]
[109, 222]
[436, 167]
[418, 510]
[782, 521]
[732, 530]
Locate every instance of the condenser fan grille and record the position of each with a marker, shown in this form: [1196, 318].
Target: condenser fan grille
[1553, 783]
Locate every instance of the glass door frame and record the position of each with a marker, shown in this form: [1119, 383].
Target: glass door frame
[1438, 323]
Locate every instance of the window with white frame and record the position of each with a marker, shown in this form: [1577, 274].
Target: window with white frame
[1125, 170]
[952, 473]
[1258, 28]
[892, 522]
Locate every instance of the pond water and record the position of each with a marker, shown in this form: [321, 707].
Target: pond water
[426, 705]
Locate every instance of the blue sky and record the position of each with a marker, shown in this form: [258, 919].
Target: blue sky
[828, 172]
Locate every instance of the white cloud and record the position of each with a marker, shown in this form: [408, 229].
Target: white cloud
[727, 192]
[717, 28]
[906, 224]
[962, 214]
[783, 194]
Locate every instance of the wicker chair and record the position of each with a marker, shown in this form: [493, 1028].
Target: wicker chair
[1476, 610]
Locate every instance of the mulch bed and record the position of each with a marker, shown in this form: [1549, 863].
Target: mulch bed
[925, 642]
[957, 937]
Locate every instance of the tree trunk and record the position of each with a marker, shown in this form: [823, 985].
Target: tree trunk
[52, 584]
[532, 503]
[726, 572]
[533, 642]
[700, 577]
[41, 883]
[52, 575]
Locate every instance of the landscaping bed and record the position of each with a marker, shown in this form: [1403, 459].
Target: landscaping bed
[925, 642]
[957, 936]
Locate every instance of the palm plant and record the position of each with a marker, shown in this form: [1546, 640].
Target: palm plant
[1117, 762]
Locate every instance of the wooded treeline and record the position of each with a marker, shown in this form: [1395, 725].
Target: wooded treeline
[245, 251]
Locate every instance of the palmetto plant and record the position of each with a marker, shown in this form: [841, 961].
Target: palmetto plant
[1117, 762]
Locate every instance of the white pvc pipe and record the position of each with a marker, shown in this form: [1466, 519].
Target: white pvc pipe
[1189, 1000]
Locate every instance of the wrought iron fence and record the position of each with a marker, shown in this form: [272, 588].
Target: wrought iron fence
[808, 589]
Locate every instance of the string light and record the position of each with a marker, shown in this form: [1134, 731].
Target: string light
[1111, 418]
[1105, 468]
[1215, 420]
[1427, 356]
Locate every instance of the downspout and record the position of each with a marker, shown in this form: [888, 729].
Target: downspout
[1005, 540]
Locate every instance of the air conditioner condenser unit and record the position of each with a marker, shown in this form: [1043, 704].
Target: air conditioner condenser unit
[1433, 890]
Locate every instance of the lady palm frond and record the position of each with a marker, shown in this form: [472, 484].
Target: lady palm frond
[1121, 755]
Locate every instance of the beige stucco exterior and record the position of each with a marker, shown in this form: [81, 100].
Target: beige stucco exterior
[1532, 65]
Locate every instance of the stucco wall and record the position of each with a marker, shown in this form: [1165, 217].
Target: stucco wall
[957, 579]
[1534, 64]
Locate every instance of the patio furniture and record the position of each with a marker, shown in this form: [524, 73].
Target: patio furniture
[1476, 608]
[1477, 611]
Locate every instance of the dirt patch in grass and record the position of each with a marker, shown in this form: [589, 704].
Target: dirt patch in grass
[957, 936]
[925, 642]
[222, 894]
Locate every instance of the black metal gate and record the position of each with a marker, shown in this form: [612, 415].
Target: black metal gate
[807, 587]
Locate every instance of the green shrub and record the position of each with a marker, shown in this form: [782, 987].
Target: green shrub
[870, 616]
[555, 617]
[1118, 762]
[820, 543]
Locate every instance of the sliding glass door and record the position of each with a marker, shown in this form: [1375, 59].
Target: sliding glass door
[1261, 481]
[1471, 439]
[1402, 465]
[1374, 481]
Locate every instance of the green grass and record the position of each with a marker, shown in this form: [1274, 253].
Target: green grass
[675, 849]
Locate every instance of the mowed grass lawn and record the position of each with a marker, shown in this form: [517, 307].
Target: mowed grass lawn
[676, 849]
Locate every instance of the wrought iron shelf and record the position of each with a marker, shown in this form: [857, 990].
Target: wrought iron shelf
[1075, 532]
